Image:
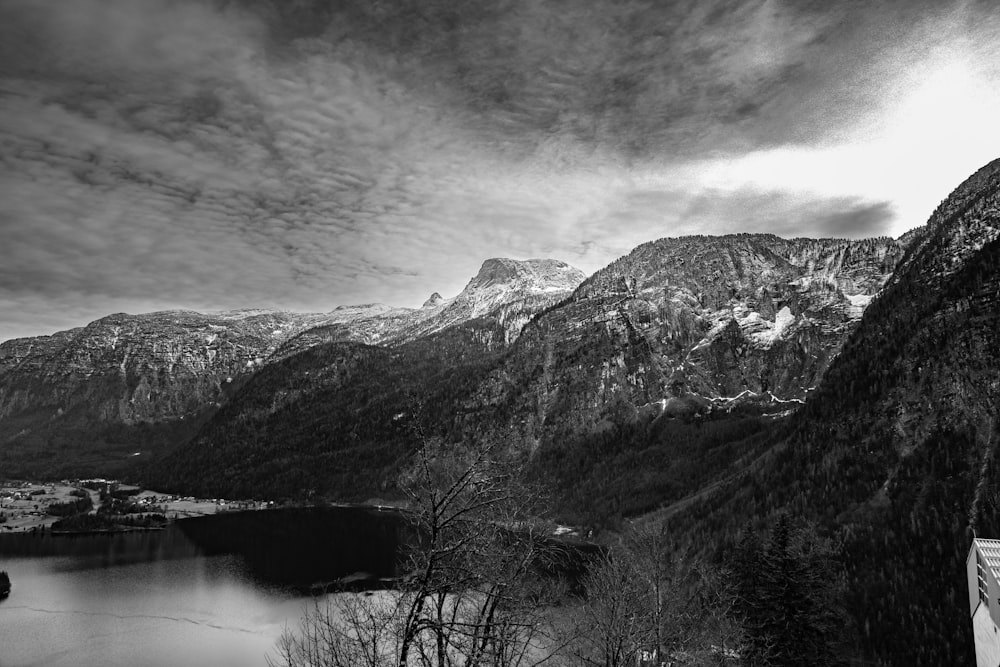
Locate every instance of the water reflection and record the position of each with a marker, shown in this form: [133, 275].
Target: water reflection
[212, 593]
[94, 551]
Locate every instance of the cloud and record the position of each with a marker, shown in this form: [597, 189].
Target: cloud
[307, 154]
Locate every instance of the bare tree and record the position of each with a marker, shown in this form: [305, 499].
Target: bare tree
[469, 598]
[649, 603]
[345, 630]
[612, 628]
[690, 602]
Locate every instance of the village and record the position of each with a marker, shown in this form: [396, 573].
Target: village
[28, 506]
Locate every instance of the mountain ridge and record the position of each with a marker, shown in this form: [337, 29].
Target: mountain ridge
[121, 375]
[638, 342]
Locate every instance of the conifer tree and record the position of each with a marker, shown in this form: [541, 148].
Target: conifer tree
[788, 597]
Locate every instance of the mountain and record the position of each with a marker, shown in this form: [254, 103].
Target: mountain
[96, 395]
[692, 328]
[168, 364]
[511, 291]
[126, 383]
[716, 316]
[434, 300]
[623, 392]
[895, 452]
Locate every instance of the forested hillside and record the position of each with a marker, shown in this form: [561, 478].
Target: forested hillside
[895, 452]
[335, 420]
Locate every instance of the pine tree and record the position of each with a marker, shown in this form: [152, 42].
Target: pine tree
[788, 597]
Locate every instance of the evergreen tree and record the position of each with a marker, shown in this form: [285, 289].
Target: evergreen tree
[788, 597]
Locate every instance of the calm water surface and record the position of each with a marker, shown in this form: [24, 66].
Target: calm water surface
[136, 599]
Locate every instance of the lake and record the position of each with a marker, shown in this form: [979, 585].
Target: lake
[213, 591]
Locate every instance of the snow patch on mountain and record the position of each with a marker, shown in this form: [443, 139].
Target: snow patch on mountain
[858, 304]
[347, 313]
[772, 331]
[513, 290]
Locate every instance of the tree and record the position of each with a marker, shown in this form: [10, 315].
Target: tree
[789, 592]
[649, 602]
[613, 627]
[469, 597]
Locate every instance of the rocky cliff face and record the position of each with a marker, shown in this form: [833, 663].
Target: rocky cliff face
[692, 321]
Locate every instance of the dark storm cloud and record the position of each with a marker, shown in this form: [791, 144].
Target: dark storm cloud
[750, 210]
[855, 220]
[302, 154]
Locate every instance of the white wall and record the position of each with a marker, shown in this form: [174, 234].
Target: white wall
[987, 638]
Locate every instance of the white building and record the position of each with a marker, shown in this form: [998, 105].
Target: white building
[983, 573]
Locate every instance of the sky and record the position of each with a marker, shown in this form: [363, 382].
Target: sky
[305, 154]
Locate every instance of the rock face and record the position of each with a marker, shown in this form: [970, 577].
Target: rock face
[683, 327]
[715, 317]
[434, 300]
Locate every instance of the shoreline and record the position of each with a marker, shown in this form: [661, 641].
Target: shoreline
[106, 531]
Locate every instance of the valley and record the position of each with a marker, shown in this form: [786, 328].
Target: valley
[708, 385]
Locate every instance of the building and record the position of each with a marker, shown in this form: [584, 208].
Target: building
[983, 574]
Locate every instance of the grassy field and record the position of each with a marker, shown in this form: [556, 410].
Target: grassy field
[24, 504]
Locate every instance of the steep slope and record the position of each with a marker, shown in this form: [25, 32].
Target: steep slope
[896, 449]
[336, 419]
